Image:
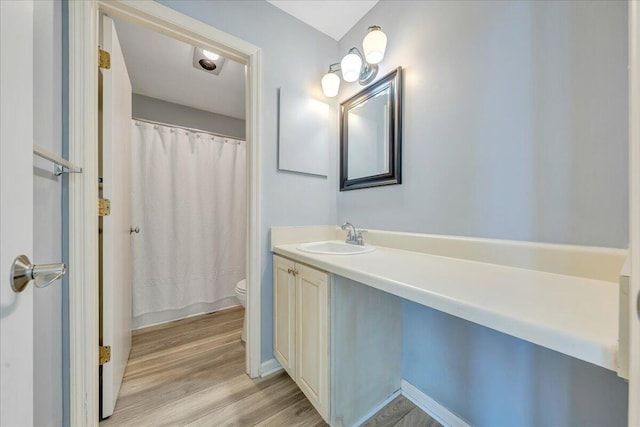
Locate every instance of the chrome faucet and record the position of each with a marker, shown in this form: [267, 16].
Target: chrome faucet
[354, 237]
[351, 234]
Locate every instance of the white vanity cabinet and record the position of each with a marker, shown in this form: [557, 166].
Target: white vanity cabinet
[284, 313]
[301, 328]
[312, 336]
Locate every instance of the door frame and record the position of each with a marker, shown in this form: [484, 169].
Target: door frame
[83, 192]
[634, 212]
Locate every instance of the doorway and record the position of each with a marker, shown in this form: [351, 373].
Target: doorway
[83, 148]
[172, 163]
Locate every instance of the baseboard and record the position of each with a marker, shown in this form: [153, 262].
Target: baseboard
[431, 407]
[269, 367]
[171, 315]
[376, 408]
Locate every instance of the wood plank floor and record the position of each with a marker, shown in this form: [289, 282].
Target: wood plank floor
[191, 373]
[401, 412]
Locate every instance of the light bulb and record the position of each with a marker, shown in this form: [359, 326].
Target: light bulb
[374, 45]
[330, 84]
[350, 66]
[210, 55]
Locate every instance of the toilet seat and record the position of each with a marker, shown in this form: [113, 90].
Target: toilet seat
[241, 294]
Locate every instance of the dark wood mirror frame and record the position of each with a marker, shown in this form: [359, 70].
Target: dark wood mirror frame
[393, 82]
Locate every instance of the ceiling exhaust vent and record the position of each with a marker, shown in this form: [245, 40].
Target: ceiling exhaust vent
[207, 64]
[207, 61]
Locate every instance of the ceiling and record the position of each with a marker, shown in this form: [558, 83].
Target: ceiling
[332, 17]
[162, 68]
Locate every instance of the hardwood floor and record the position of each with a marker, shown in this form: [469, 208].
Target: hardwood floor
[401, 412]
[191, 373]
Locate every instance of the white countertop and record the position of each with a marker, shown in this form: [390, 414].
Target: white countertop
[572, 315]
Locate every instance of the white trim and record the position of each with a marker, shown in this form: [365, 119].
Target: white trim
[269, 367]
[156, 318]
[377, 408]
[430, 406]
[254, 232]
[83, 215]
[583, 261]
[303, 234]
[83, 188]
[634, 212]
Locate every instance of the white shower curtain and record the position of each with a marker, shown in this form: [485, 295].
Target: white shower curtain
[189, 202]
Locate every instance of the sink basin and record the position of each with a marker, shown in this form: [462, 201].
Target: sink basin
[335, 248]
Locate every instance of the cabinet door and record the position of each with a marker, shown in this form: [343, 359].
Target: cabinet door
[284, 313]
[312, 333]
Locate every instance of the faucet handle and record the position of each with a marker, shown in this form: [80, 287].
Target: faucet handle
[359, 237]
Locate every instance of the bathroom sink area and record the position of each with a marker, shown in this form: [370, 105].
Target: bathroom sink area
[335, 248]
[512, 298]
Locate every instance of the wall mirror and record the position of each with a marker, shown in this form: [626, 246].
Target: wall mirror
[371, 135]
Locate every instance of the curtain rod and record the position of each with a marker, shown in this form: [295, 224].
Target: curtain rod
[221, 135]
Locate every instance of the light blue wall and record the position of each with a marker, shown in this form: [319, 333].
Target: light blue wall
[515, 127]
[491, 379]
[294, 56]
[145, 107]
[515, 121]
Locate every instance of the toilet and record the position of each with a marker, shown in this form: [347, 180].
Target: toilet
[241, 294]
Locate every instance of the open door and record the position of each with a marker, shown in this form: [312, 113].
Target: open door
[115, 251]
[16, 210]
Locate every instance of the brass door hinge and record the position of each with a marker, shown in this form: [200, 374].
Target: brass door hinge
[105, 354]
[104, 59]
[104, 207]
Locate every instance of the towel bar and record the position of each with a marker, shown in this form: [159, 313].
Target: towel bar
[60, 165]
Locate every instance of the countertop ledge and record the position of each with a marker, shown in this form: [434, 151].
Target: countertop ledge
[572, 315]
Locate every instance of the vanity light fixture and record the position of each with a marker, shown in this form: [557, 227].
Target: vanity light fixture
[350, 66]
[330, 83]
[356, 66]
[374, 45]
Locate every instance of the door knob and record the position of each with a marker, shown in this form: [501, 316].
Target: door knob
[134, 230]
[22, 272]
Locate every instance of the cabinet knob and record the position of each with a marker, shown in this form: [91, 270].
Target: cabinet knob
[289, 270]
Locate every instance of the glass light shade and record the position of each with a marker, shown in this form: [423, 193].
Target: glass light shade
[350, 66]
[330, 84]
[374, 45]
[210, 55]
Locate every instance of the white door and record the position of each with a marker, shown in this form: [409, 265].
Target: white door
[284, 310]
[16, 210]
[116, 239]
[312, 336]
